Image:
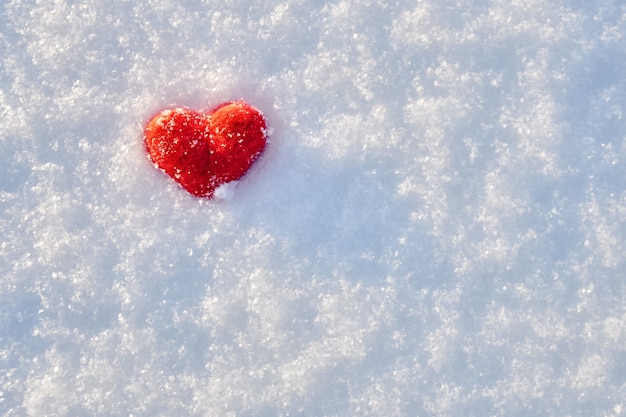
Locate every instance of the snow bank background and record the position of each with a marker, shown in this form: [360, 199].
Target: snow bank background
[438, 227]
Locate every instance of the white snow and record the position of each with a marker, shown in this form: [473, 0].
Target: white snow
[437, 228]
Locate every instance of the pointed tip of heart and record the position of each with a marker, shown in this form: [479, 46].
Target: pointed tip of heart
[202, 151]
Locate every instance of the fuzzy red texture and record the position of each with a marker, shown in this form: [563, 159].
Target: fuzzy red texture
[202, 151]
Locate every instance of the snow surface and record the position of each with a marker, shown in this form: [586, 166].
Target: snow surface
[437, 228]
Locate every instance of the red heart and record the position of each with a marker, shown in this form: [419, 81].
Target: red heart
[202, 151]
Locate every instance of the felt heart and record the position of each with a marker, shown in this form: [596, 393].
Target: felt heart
[202, 151]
